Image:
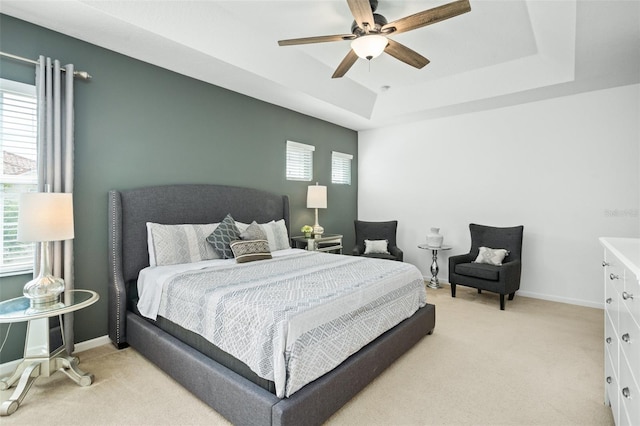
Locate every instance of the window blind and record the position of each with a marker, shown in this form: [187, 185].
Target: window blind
[299, 161]
[18, 147]
[341, 168]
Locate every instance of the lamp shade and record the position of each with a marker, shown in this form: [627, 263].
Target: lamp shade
[369, 46]
[317, 197]
[45, 216]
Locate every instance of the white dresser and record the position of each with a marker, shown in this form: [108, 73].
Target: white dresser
[621, 266]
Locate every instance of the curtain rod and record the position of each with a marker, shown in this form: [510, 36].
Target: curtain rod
[80, 74]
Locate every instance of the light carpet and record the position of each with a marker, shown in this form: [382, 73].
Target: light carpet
[536, 363]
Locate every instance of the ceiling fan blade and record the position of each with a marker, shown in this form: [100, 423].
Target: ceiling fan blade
[427, 17]
[361, 11]
[346, 64]
[406, 55]
[317, 39]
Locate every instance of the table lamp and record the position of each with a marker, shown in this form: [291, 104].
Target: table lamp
[44, 217]
[317, 199]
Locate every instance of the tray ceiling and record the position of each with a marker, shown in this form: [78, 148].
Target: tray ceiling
[501, 53]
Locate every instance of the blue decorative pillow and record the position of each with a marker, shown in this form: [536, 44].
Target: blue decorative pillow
[222, 236]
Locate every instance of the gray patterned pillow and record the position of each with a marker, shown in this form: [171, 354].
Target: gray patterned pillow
[173, 244]
[276, 235]
[222, 236]
[253, 232]
[250, 250]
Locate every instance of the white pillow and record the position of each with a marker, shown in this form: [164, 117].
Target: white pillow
[242, 226]
[277, 235]
[376, 247]
[173, 244]
[491, 256]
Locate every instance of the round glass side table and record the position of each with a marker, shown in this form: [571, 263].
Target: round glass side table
[433, 282]
[39, 358]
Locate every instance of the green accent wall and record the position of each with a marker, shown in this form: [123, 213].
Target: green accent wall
[137, 124]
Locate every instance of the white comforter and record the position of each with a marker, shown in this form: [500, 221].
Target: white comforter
[291, 319]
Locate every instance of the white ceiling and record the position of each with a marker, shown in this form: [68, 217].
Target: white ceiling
[503, 52]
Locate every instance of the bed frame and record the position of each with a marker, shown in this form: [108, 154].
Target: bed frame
[234, 397]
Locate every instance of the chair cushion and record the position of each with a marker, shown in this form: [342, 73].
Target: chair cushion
[479, 270]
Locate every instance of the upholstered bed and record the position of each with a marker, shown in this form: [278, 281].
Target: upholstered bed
[221, 381]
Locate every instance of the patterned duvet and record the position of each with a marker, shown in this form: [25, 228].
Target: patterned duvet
[293, 318]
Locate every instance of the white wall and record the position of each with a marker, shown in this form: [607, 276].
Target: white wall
[568, 169]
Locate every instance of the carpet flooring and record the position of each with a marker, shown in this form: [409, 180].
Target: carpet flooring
[536, 363]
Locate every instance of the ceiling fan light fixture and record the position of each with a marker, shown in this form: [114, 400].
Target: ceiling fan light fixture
[369, 46]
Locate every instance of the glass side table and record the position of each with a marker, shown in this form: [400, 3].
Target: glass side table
[325, 242]
[433, 282]
[39, 359]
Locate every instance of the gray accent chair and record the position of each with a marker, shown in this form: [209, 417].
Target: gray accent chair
[504, 279]
[377, 231]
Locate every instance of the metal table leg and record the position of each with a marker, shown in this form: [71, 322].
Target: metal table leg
[433, 282]
[39, 361]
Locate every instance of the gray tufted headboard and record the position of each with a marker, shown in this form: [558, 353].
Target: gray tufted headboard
[171, 204]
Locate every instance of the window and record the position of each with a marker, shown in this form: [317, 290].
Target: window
[299, 161]
[18, 148]
[341, 168]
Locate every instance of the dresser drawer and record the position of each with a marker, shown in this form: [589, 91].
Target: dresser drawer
[611, 339]
[629, 341]
[629, 396]
[614, 274]
[611, 386]
[630, 296]
[611, 301]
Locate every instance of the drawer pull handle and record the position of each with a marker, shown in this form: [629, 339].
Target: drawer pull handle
[605, 263]
[626, 393]
[627, 296]
[608, 340]
[609, 300]
[613, 277]
[626, 338]
[609, 379]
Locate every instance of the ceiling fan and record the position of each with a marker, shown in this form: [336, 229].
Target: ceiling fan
[370, 31]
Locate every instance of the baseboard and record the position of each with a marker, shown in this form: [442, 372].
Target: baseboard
[93, 343]
[8, 368]
[533, 295]
[567, 300]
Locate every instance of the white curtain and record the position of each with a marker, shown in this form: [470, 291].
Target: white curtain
[55, 160]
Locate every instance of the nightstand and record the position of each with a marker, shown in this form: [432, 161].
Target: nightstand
[326, 243]
[39, 359]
